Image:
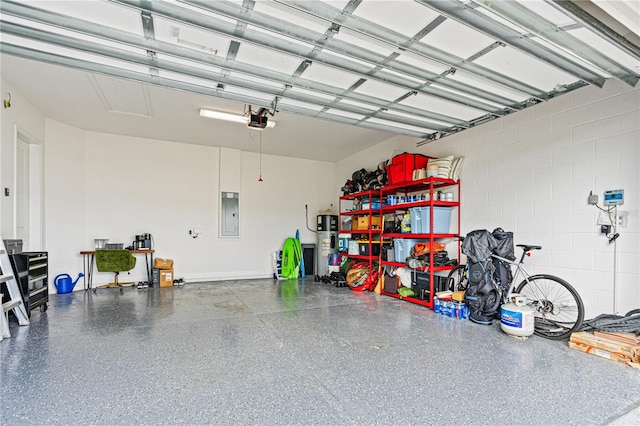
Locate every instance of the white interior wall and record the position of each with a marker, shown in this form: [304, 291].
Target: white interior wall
[103, 185]
[23, 116]
[531, 173]
[64, 199]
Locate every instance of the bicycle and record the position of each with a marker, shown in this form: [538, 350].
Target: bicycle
[557, 306]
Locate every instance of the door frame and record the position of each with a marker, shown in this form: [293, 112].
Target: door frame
[35, 190]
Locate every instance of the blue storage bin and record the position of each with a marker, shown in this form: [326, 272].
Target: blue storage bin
[416, 219]
[441, 220]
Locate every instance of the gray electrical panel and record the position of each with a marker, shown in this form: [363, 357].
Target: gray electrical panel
[230, 215]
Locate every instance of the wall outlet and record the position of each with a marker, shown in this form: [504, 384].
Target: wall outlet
[605, 218]
[623, 218]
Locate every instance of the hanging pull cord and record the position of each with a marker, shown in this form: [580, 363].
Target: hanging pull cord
[260, 178]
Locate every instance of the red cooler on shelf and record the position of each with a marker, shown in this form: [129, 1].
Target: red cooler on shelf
[402, 166]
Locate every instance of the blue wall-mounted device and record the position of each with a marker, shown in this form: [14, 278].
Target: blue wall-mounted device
[614, 197]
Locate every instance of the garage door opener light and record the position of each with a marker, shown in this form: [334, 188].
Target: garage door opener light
[236, 118]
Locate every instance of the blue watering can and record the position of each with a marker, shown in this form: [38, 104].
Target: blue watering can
[64, 283]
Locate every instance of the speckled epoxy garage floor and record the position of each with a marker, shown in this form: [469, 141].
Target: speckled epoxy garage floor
[263, 352]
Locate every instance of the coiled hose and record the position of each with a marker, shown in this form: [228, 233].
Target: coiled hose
[629, 323]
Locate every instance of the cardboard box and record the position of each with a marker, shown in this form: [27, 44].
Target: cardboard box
[163, 263]
[603, 347]
[166, 277]
[458, 296]
[582, 347]
[362, 224]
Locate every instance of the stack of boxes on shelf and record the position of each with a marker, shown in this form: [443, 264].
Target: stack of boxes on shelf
[163, 272]
[363, 214]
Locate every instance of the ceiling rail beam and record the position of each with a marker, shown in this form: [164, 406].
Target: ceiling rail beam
[397, 40]
[158, 46]
[298, 32]
[527, 19]
[179, 14]
[61, 60]
[486, 25]
[154, 62]
[584, 18]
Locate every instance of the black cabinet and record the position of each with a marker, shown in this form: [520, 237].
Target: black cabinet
[32, 271]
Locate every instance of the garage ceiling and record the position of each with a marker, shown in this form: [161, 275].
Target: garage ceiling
[425, 68]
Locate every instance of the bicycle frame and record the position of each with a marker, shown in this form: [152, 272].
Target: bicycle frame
[519, 269]
[558, 308]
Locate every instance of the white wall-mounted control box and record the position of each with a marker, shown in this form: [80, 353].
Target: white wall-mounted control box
[614, 197]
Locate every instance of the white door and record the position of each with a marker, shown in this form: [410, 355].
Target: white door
[28, 191]
[22, 191]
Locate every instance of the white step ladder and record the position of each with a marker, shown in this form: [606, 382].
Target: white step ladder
[15, 302]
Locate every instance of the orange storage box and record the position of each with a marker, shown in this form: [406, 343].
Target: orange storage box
[166, 277]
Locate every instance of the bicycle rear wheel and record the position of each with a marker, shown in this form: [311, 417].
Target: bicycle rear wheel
[558, 308]
[457, 278]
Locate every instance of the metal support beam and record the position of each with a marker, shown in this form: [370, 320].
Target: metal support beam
[96, 30]
[527, 19]
[305, 35]
[329, 13]
[41, 56]
[118, 54]
[587, 20]
[264, 40]
[484, 24]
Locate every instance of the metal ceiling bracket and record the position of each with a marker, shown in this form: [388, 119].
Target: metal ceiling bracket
[147, 25]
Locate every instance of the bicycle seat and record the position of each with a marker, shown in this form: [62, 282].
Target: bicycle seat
[527, 248]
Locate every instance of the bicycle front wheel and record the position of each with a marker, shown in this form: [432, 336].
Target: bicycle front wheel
[558, 308]
[457, 278]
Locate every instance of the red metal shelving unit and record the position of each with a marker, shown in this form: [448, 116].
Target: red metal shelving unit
[432, 186]
[371, 233]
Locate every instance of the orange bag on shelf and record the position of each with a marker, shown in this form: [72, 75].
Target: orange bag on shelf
[423, 248]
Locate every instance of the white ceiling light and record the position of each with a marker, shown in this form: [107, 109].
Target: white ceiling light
[236, 118]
